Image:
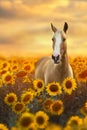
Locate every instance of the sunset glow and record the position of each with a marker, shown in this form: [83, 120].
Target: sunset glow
[25, 26]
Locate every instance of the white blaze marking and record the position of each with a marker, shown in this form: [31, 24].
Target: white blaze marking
[58, 38]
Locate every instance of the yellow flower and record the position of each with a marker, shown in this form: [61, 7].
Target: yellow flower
[75, 121]
[57, 107]
[53, 89]
[3, 127]
[47, 103]
[28, 67]
[82, 75]
[41, 119]
[84, 109]
[5, 65]
[38, 85]
[10, 98]
[69, 84]
[27, 97]
[21, 74]
[7, 78]
[25, 120]
[14, 67]
[18, 107]
[3, 72]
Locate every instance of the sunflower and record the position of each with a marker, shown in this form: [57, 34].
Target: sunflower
[53, 89]
[5, 65]
[14, 67]
[84, 109]
[7, 78]
[41, 119]
[3, 127]
[25, 120]
[82, 75]
[47, 103]
[28, 67]
[2, 72]
[10, 98]
[21, 74]
[25, 62]
[18, 107]
[57, 107]
[27, 97]
[69, 84]
[38, 85]
[75, 121]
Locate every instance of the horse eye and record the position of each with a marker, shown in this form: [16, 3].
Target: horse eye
[64, 39]
[53, 39]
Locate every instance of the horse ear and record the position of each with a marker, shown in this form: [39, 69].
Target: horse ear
[53, 28]
[65, 27]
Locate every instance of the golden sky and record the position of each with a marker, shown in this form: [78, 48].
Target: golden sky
[25, 26]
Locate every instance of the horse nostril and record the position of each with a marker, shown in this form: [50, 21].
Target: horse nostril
[53, 57]
[58, 57]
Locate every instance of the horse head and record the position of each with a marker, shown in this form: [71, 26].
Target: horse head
[59, 44]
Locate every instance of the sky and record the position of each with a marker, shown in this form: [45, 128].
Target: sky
[25, 26]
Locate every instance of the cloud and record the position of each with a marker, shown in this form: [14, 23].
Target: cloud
[13, 9]
[25, 24]
[4, 40]
[4, 13]
[28, 9]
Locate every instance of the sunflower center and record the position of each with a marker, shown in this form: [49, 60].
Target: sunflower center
[27, 67]
[83, 74]
[21, 74]
[14, 67]
[47, 103]
[8, 78]
[68, 84]
[4, 65]
[26, 98]
[26, 121]
[40, 120]
[11, 99]
[56, 107]
[3, 72]
[18, 107]
[54, 88]
[39, 84]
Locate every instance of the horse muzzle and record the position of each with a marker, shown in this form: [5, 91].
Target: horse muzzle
[56, 59]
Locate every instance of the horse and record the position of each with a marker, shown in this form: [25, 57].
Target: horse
[55, 68]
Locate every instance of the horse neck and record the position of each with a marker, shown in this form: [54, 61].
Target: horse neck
[64, 58]
[63, 66]
[64, 61]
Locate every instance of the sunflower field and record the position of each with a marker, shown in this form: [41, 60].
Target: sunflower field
[27, 103]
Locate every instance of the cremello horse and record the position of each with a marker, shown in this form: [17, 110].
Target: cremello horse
[57, 67]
